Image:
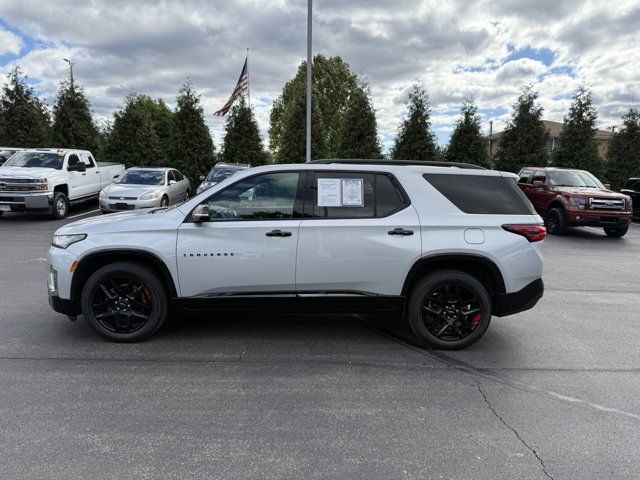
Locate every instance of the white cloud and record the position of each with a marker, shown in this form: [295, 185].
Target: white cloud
[457, 48]
[9, 42]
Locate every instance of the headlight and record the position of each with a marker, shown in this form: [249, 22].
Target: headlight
[150, 195]
[578, 202]
[102, 194]
[63, 241]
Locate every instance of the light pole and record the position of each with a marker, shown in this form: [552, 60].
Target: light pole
[309, 77]
[70, 70]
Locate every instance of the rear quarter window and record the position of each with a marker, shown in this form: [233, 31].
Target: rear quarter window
[477, 194]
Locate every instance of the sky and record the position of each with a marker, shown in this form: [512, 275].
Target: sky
[485, 49]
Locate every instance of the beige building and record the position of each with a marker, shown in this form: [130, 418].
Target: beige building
[554, 128]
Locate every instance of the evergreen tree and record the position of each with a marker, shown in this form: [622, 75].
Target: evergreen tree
[192, 146]
[359, 134]
[133, 138]
[623, 153]
[73, 125]
[578, 147]
[524, 141]
[466, 144]
[415, 140]
[242, 140]
[24, 119]
[292, 142]
[333, 84]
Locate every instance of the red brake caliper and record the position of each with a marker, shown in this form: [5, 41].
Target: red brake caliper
[147, 293]
[476, 319]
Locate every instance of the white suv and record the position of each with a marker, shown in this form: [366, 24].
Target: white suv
[448, 245]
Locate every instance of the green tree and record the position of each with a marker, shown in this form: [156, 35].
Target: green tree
[333, 84]
[24, 119]
[73, 125]
[359, 134]
[524, 140]
[415, 140]
[192, 146]
[623, 153]
[140, 134]
[292, 141]
[242, 140]
[466, 144]
[578, 147]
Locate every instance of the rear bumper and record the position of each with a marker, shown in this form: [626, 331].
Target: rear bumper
[601, 219]
[525, 299]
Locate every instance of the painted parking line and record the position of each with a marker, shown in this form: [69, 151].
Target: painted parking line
[85, 213]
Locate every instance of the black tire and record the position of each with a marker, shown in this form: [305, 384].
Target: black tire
[1, 213]
[616, 232]
[132, 291]
[60, 206]
[164, 202]
[429, 315]
[187, 195]
[556, 221]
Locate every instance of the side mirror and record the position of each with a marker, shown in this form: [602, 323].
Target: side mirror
[200, 213]
[202, 177]
[116, 178]
[607, 186]
[172, 182]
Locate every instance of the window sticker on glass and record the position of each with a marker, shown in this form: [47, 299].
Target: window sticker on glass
[329, 192]
[352, 192]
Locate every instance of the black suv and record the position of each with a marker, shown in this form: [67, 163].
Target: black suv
[632, 188]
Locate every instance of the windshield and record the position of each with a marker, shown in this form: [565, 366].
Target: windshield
[574, 179]
[36, 160]
[219, 174]
[142, 177]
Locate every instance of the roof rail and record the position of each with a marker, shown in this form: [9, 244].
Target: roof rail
[422, 163]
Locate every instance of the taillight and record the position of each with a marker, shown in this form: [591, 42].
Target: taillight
[533, 233]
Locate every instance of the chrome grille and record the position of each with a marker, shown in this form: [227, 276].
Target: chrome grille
[19, 185]
[606, 204]
[123, 198]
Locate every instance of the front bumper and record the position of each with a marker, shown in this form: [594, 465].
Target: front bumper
[525, 299]
[40, 201]
[592, 218]
[70, 308]
[113, 205]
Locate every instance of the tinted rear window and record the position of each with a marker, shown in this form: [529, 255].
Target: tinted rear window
[481, 195]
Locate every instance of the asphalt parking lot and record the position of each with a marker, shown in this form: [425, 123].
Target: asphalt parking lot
[549, 393]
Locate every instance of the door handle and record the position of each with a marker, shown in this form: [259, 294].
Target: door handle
[278, 233]
[400, 231]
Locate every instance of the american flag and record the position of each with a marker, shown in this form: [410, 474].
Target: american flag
[241, 86]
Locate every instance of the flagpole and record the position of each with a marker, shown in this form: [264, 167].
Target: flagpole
[309, 78]
[248, 80]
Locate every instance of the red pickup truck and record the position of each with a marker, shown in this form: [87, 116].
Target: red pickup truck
[573, 198]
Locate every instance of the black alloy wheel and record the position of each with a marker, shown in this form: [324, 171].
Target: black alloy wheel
[556, 222]
[449, 310]
[125, 301]
[122, 304]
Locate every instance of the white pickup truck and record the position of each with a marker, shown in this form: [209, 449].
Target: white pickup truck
[49, 180]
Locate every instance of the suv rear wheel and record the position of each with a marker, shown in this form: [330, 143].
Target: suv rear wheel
[124, 302]
[449, 310]
[556, 222]
[616, 232]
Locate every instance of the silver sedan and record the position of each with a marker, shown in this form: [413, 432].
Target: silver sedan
[141, 187]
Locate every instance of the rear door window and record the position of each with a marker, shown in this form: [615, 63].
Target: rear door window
[525, 176]
[479, 194]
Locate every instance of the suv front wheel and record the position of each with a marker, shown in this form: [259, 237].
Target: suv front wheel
[616, 232]
[124, 302]
[449, 310]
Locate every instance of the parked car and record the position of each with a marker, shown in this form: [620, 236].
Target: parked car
[7, 152]
[574, 198]
[446, 245]
[632, 188]
[145, 187]
[48, 180]
[218, 173]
